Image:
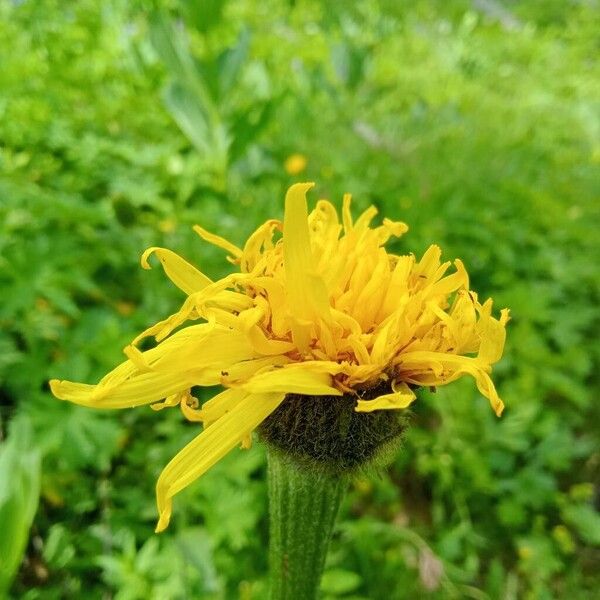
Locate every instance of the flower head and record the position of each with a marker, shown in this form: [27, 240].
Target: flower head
[317, 308]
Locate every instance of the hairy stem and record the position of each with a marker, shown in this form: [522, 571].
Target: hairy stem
[303, 504]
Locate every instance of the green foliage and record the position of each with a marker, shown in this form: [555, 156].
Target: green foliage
[19, 495]
[121, 126]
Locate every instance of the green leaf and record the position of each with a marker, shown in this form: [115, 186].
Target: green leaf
[339, 581]
[585, 520]
[19, 495]
[204, 15]
[186, 110]
[231, 61]
[197, 548]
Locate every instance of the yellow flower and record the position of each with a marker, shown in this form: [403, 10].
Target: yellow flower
[317, 308]
[295, 164]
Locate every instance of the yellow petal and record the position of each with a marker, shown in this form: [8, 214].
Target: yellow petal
[71, 391]
[311, 378]
[306, 291]
[189, 408]
[249, 318]
[449, 284]
[486, 386]
[136, 356]
[346, 214]
[346, 321]
[221, 404]
[266, 346]
[276, 297]
[396, 228]
[358, 375]
[245, 369]
[324, 230]
[207, 349]
[209, 447]
[184, 275]
[363, 222]
[145, 388]
[261, 239]
[361, 353]
[219, 241]
[423, 368]
[369, 299]
[171, 401]
[493, 337]
[464, 317]
[397, 286]
[386, 337]
[214, 350]
[401, 397]
[163, 328]
[229, 300]
[196, 355]
[429, 263]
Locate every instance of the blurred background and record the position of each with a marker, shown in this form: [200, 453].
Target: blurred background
[123, 123]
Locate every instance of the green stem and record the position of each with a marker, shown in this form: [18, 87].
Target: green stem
[303, 504]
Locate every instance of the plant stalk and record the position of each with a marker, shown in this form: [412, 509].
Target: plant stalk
[303, 504]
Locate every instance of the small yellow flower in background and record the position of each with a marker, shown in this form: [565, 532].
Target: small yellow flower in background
[295, 164]
[124, 308]
[167, 225]
[318, 308]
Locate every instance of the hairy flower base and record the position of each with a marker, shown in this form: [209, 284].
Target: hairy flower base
[326, 432]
